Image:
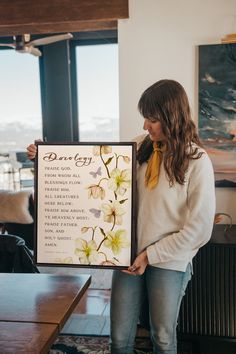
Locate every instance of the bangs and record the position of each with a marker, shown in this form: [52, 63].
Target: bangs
[148, 106]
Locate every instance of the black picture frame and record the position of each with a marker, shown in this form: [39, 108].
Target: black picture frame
[85, 197]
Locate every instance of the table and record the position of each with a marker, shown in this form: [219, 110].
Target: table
[38, 300]
[24, 337]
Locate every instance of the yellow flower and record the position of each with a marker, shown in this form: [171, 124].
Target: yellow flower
[116, 241]
[95, 191]
[104, 149]
[86, 251]
[113, 212]
[120, 181]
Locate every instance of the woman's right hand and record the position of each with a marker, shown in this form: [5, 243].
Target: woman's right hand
[31, 151]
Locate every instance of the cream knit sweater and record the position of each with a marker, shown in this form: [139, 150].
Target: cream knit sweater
[174, 222]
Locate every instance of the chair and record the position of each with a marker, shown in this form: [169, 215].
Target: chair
[16, 215]
[15, 257]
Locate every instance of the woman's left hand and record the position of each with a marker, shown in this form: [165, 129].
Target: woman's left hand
[139, 265]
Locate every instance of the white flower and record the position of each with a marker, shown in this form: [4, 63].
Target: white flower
[113, 212]
[95, 191]
[103, 149]
[86, 251]
[116, 241]
[119, 181]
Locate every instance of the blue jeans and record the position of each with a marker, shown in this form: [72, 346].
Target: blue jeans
[164, 289]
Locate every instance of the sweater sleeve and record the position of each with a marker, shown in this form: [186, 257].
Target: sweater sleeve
[198, 227]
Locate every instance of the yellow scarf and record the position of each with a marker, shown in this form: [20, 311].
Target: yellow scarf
[153, 167]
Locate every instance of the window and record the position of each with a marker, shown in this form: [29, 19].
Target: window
[97, 86]
[20, 109]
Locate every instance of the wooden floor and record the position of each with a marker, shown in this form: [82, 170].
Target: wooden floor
[94, 302]
[92, 314]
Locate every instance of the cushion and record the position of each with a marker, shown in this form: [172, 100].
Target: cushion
[14, 207]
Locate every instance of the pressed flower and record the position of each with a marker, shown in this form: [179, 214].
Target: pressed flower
[119, 181]
[84, 229]
[104, 149]
[108, 263]
[116, 240]
[126, 159]
[95, 191]
[113, 212]
[86, 251]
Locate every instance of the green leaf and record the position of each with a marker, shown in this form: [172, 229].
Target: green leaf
[109, 160]
[102, 231]
[122, 201]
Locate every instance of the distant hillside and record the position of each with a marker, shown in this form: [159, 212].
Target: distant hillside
[17, 136]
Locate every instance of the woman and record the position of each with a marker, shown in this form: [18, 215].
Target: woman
[176, 207]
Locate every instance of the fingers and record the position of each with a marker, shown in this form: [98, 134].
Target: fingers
[135, 269]
[31, 151]
[139, 265]
[128, 272]
[31, 148]
[132, 268]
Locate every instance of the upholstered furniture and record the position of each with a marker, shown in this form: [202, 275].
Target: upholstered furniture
[16, 215]
[19, 162]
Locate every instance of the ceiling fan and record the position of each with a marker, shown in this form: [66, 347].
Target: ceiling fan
[23, 44]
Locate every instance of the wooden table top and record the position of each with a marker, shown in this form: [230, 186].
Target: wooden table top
[40, 298]
[27, 338]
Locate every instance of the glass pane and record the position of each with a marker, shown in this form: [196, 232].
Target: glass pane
[98, 99]
[20, 108]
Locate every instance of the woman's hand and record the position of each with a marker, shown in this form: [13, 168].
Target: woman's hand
[32, 150]
[139, 265]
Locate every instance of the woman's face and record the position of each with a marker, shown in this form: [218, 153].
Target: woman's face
[154, 129]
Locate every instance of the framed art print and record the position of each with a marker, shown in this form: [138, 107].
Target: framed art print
[217, 109]
[85, 204]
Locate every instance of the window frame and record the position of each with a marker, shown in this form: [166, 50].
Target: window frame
[85, 39]
[61, 96]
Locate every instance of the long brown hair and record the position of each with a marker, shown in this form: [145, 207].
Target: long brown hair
[166, 101]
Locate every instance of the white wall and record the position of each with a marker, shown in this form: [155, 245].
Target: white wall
[160, 40]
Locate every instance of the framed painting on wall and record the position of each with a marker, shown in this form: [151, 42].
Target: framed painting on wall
[85, 204]
[217, 109]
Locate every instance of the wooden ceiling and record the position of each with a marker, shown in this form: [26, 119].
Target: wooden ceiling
[54, 16]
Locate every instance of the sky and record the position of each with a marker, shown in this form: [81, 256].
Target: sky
[98, 81]
[97, 68]
[19, 87]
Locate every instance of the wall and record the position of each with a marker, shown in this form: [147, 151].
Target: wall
[160, 40]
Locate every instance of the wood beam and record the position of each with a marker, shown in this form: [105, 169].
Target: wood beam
[79, 26]
[43, 16]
